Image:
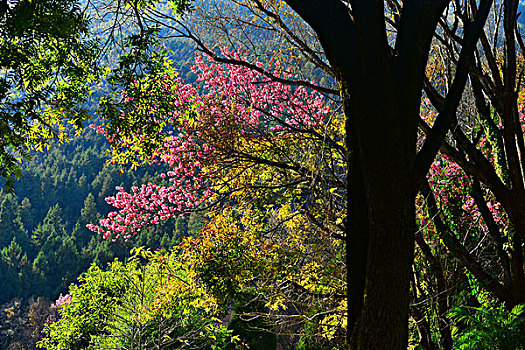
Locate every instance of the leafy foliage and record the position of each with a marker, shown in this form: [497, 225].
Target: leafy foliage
[150, 301]
[267, 162]
[47, 63]
[62, 191]
[481, 328]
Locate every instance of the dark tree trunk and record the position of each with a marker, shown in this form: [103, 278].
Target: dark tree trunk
[382, 321]
[425, 333]
[357, 234]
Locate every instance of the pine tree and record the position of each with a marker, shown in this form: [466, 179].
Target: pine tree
[11, 225]
[195, 222]
[88, 215]
[27, 214]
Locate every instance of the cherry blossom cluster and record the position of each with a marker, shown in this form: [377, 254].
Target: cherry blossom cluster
[452, 189]
[61, 301]
[257, 101]
[235, 101]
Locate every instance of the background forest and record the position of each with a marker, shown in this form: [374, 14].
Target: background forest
[212, 202]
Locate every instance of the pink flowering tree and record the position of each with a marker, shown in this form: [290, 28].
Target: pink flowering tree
[269, 156]
[229, 127]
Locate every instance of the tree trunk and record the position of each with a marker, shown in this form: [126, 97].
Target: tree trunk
[357, 234]
[384, 315]
[382, 321]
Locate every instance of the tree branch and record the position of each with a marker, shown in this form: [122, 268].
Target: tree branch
[426, 155]
[460, 252]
